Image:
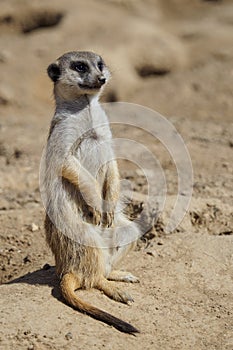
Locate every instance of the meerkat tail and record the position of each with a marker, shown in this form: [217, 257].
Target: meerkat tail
[69, 284]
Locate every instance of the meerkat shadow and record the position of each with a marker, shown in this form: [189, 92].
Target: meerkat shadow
[45, 276]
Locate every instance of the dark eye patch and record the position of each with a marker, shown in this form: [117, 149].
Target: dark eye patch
[79, 66]
[100, 65]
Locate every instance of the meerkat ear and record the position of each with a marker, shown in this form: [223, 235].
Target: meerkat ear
[54, 71]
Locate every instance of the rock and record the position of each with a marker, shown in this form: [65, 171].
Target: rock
[46, 266]
[34, 227]
[69, 336]
[27, 259]
[151, 253]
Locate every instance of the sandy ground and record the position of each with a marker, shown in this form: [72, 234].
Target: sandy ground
[176, 58]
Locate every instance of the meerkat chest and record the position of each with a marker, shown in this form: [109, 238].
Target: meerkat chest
[95, 151]
[94, 146]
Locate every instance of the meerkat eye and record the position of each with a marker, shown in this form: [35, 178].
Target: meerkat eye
[80, 67]
[100, 66]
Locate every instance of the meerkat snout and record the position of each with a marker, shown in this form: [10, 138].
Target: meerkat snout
[102, 80]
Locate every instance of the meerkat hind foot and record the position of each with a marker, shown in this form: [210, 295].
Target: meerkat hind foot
[123, 276]
[113, 292]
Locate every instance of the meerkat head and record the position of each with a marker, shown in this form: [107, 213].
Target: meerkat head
[78, 73]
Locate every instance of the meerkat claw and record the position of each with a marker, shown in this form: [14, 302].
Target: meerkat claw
[108, 219]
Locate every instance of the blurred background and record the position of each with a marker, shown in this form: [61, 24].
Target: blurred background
[174, 55]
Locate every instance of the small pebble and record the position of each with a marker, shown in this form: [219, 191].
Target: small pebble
[34, 227]
[27, 259]
[151, 253]
[69, 336]
[46, 267]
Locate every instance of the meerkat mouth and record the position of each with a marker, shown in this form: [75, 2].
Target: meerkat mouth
[89, 87]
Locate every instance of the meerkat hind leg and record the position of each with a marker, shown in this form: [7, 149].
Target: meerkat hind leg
[113, 292]
[122, 276]
[71, 281]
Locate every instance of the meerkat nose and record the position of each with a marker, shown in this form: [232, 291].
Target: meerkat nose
[102, 80]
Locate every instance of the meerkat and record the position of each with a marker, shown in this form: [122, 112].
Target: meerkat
[85, 227]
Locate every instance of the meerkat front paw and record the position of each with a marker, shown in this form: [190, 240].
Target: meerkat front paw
[108, 219]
